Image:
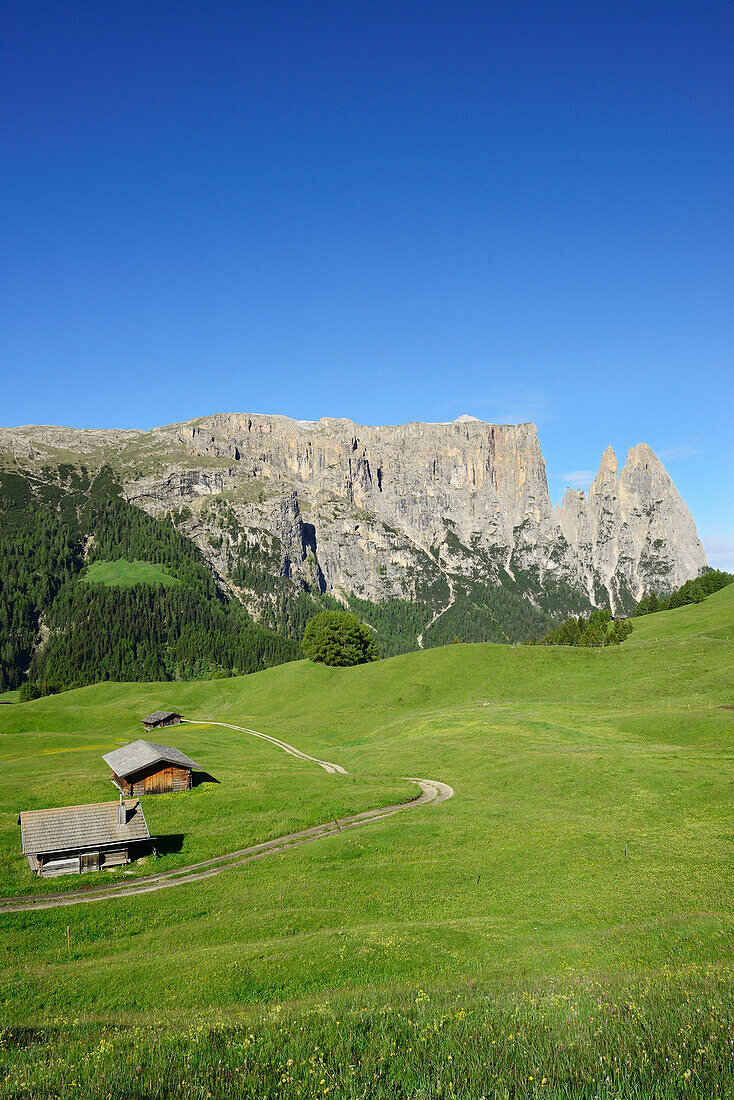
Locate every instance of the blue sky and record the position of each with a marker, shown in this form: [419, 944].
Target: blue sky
[387, 211]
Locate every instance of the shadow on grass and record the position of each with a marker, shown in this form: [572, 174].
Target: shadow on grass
[197, 778]
[169, 844]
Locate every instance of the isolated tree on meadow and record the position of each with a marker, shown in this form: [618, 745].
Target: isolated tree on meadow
[338, 638]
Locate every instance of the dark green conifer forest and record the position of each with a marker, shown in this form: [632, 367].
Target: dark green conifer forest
[693, 591]
[40, 551]
[598, 629]
[94, 632]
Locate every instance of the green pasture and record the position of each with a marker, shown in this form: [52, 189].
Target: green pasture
[713, 618]
[591, 830]
[123, 574]
[245, 793]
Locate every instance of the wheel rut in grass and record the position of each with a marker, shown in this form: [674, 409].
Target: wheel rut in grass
[433, 791]
[332, 769]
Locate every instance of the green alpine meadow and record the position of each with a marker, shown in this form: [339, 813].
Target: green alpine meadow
[366, 551]
[560, 926]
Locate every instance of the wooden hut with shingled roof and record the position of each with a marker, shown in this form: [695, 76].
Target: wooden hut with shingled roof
[160, 718]
[143, 767]
[73, 839]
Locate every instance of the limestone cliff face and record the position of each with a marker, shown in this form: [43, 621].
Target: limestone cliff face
[484, 477]
[395, 508]
[399, 511]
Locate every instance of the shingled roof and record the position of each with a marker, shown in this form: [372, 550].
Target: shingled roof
[71, 827]
[132, 758]
[159, 716]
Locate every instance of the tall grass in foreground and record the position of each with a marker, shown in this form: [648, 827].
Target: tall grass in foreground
[565, 1040]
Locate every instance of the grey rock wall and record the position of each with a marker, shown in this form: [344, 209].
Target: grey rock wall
[393, 511]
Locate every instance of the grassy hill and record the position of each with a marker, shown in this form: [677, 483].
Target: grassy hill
[713, 618]
[571, 903]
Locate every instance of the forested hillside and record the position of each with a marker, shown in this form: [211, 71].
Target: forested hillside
[502, 613]
[72, 610]
[600, 628]
[40, 551]
[58, 629]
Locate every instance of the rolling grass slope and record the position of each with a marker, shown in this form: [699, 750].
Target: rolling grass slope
[587, 850]
[713, 618]
[247, 793]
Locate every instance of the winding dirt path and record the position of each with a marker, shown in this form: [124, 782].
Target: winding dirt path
[432, 792]
[330, 768]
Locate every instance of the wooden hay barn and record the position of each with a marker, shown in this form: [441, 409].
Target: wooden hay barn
[74, 839]
[160, 718]
[142, 767]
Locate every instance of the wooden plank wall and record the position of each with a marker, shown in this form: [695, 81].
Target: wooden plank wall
[115, 859]
[62, 865]
[167, 779]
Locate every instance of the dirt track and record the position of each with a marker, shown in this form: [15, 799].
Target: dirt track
[328, 767]
[432, 792]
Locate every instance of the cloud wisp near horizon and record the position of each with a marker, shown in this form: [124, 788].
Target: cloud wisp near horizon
[719, 547]
[524, 405]
[576, 479]
[680, 450]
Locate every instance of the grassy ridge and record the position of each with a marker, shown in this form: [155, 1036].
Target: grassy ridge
[587, 850]
[713, 618]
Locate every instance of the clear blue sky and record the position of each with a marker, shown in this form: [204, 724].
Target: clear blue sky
[388, 211]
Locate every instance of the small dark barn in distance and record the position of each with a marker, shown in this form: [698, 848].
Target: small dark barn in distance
[73, 839]
[142, 767]
[160, 718]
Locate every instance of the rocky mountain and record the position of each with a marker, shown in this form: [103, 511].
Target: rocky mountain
[452, 519]
[633, 534]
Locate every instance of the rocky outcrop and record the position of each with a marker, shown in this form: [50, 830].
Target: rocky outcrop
[633, 533]
[393, 512]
